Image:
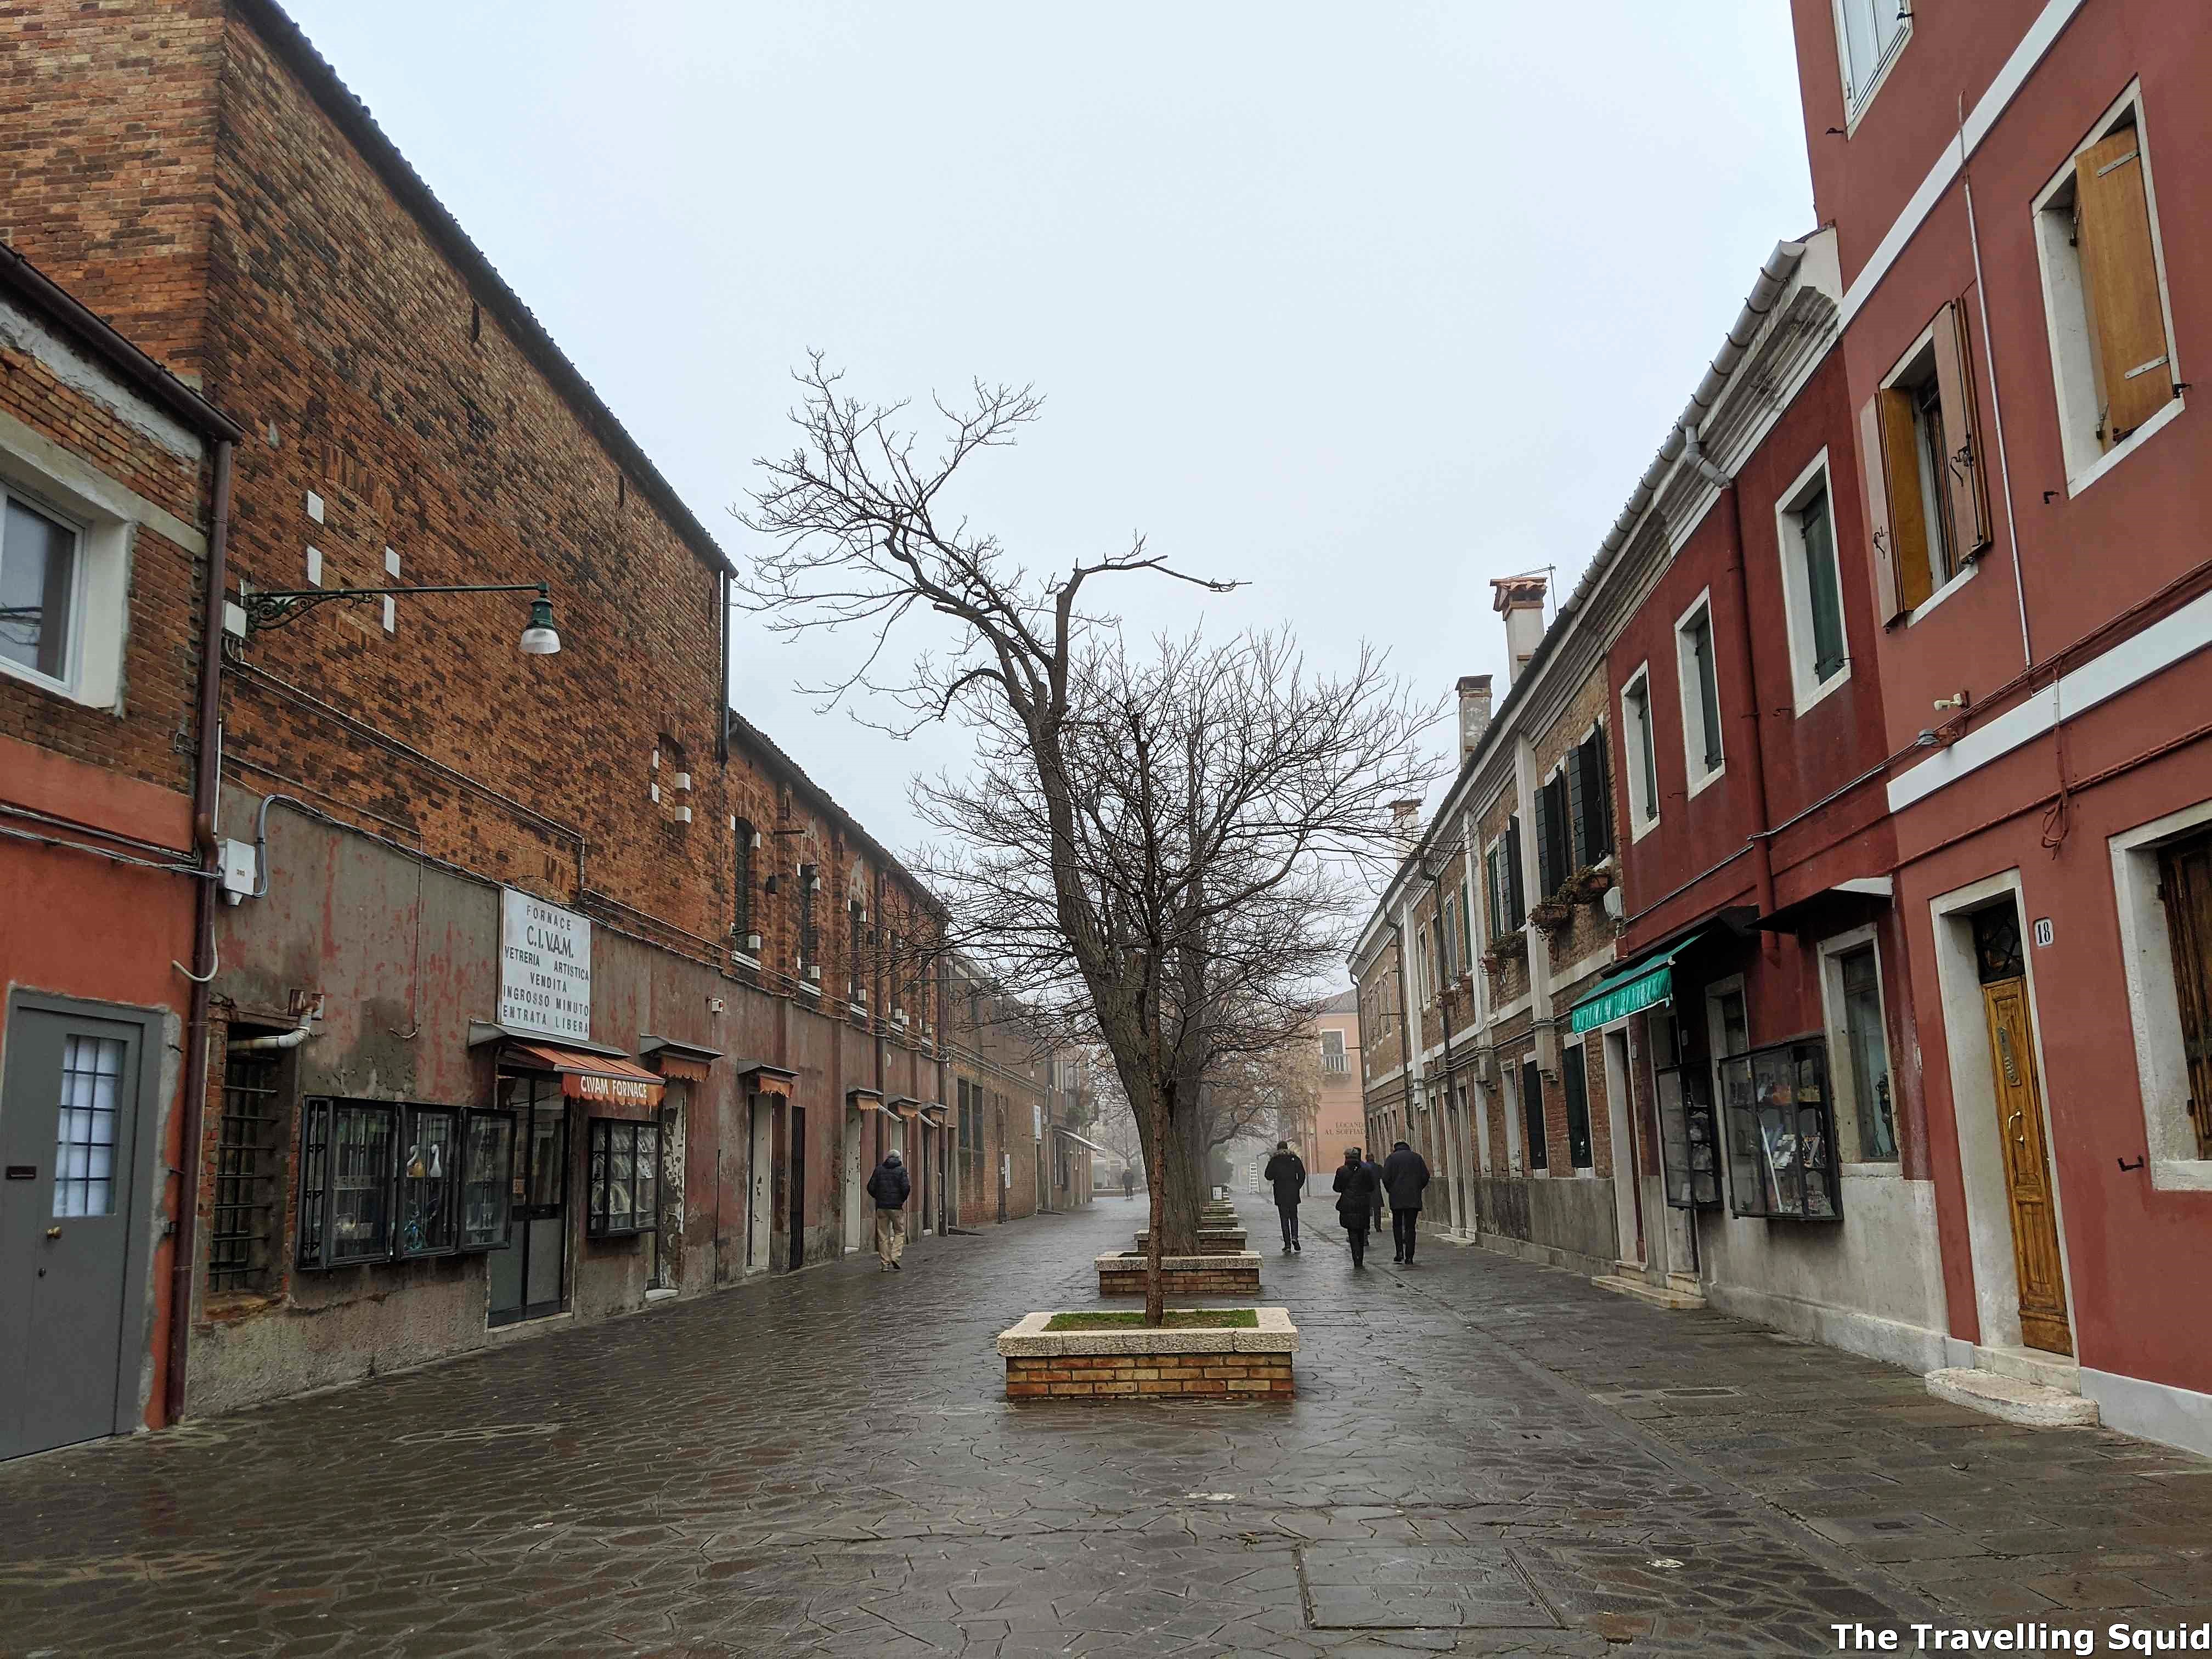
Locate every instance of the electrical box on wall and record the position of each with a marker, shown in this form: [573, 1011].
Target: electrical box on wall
[239, 871]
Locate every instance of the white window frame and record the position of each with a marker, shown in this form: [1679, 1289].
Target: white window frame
[1923, 349]
[1842, 1079]
[1694, 703]
[2066, 314]
[1855, 100]
[2153, 1006]
[1421, 966]
[1632, 752]
[100, 593]
[1807, 690]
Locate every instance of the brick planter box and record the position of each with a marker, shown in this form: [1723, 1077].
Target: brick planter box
[1138, 1363]
[1211, 1241]
[1123, 1274]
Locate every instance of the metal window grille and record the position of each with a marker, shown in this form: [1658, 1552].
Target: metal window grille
[243, 1216]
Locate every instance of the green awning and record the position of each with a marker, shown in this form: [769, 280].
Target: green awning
[1629, 990]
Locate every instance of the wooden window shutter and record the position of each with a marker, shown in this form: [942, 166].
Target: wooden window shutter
[1597, 796]
[2119, 279]
[1517, 894]
[1886, 586]
[1908, 511]
[1578, 852]
[1965, 475]
[1546, 879]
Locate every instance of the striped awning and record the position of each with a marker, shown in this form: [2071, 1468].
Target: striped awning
[599, 1079]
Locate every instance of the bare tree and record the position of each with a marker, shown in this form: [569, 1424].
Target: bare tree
[1161, 847]
[1256, 1095]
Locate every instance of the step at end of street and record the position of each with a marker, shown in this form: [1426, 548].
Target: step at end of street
[2013, 1400]
[1657, 1296]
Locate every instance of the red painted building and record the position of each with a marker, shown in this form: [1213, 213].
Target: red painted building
[2019, 191]
[1778, 1105]
[109, 470]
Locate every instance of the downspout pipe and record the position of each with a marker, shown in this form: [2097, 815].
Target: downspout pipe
[207, 790]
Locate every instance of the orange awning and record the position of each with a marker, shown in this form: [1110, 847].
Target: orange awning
[601, 1079]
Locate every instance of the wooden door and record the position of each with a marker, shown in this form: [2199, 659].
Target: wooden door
[2043, 1320]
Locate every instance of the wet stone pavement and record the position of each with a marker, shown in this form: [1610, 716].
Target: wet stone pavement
[1485, 1457]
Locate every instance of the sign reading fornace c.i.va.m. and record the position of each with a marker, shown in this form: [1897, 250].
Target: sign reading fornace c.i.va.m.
[544, 968]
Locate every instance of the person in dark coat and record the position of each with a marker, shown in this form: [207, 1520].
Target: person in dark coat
[1375, 1175]
[1404, 1175]
[889, 1186]
[1355, 1202]
[1129, 1182]
[1286, 1173]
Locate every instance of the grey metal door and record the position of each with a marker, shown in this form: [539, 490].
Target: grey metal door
[69, 1129]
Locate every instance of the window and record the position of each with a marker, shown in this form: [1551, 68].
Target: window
[1926, 498]
[1866, 1045]
[1869, 33]
[379, 1181]
[1781, 1139]
[429, 1180]
[1508, 909]
[1643, 766]
[2103, 288]
[809, 940]
[1575, 1077]
[1701, 694]
[1532, 1114]
[1589, 801]
[1421, 965]
[40, 602]
[1332, 1052]
[86, 1126]
[246, 1156]
[856, 978]
[622, 1191]
[1689, 1146]
[1553, 850]
[487, 1180]
[345, 1182]
[741, 909]
[1447, 937]
[1812, 588]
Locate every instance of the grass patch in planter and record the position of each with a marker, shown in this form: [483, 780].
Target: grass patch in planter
[1222, 1319]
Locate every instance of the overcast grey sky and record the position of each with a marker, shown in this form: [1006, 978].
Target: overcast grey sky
[1363, 304]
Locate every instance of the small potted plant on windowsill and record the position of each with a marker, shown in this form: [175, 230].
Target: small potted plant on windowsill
[1505, 948]
[1590, 883]
[1556, 914]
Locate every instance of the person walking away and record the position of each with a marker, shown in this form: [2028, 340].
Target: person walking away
[1375, 1176]
[1355, 1202]
[1286, 1173]
[889, 1186]
[1404, 1175]
[1129, 1182]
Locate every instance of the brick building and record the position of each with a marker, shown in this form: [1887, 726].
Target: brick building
[548, 987]
[111, 470]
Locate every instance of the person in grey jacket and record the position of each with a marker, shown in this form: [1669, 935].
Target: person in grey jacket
[1404, 1175]
[889, 1186]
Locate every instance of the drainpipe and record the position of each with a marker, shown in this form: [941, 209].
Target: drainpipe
[1755, 757]
[291, 1039]
[207, 790]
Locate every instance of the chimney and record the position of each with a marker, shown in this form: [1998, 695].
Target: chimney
[1406, 822]
[1520, 600]
[1473, 712]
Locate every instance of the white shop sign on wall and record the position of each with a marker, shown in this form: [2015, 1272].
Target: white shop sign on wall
[544, 968]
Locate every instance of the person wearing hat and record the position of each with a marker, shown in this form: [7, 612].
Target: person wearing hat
[889, 1186]
[1286, 1173]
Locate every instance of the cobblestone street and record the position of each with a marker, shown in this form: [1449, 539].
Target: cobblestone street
[1485, 1457]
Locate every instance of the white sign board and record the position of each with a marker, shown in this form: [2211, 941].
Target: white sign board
[544, 968]
[1037, 1122]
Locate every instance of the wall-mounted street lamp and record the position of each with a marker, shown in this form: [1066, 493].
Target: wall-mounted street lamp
[258, 609]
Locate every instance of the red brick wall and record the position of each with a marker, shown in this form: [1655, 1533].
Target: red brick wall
[1093, 1376]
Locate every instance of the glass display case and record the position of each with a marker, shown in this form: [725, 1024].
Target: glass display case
[1779, 1124]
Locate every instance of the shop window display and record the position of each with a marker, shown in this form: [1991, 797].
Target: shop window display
[1780, 1125]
